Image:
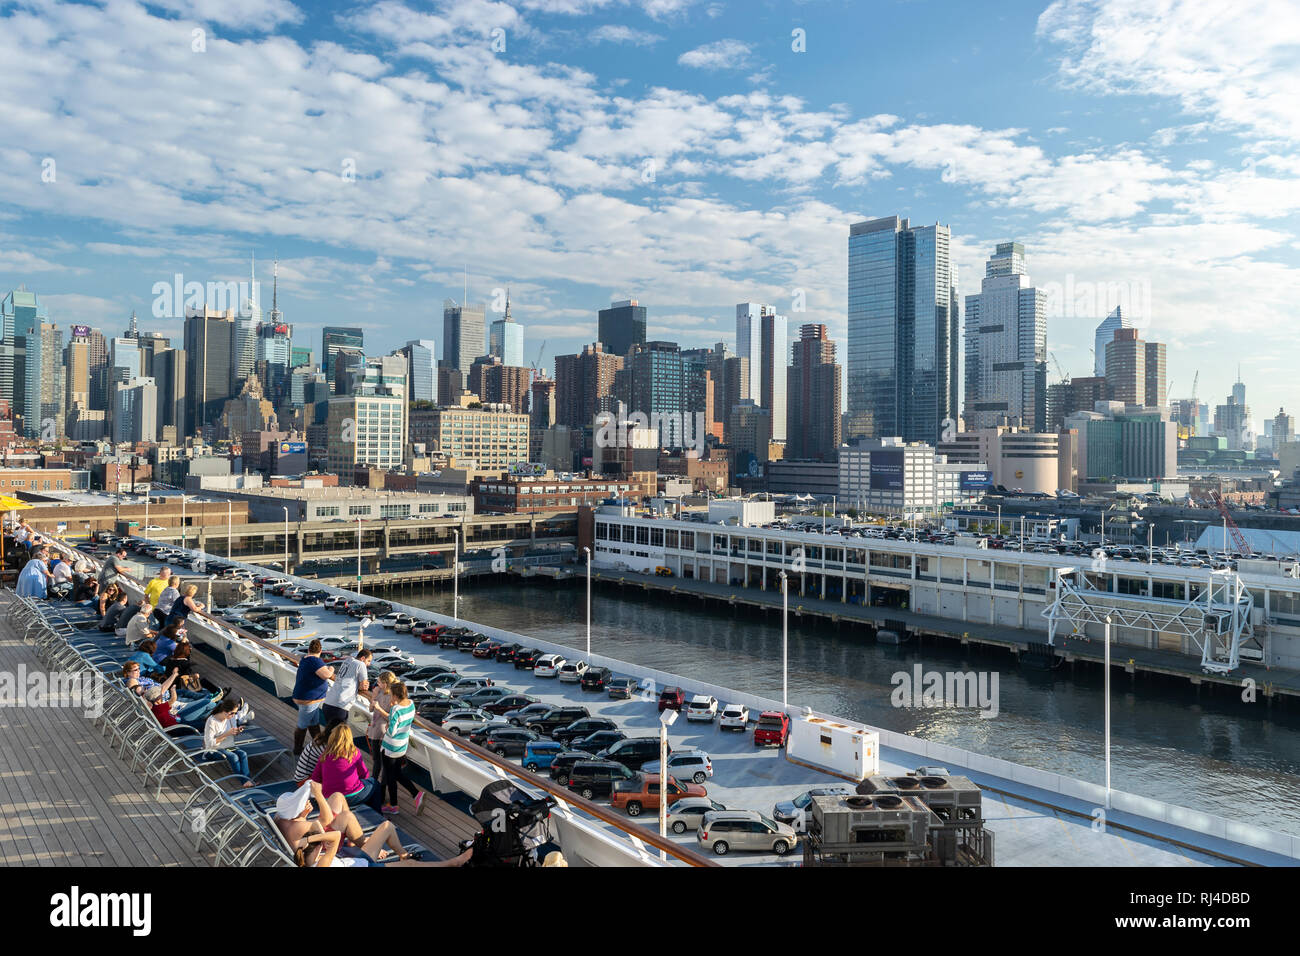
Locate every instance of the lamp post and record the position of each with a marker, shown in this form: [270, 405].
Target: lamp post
[588, 550]
[785, 636]
[455, 579]
[667, 717]
[358, 554]
[182, 519]
[285, 509]
[230, 549]
[1107, 693]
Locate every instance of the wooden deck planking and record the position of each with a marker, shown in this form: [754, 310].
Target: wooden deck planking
[66, 797]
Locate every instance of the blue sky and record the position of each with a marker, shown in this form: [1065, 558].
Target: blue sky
[678, 152]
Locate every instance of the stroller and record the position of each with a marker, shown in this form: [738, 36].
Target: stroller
[514, 826]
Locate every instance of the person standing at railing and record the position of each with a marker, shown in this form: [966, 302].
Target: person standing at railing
[114, 565]
[309, 689]
[379, 704]
[153, 591]
[351, 680]
[167, 598]
[35, 576]
[397, 737]
[185, 605]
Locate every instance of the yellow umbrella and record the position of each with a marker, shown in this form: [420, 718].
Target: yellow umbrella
[9, 503]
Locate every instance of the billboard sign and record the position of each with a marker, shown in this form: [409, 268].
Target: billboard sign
[526, 469]
[81, 331]
[293, 448]
[976, 480]
[887, 470]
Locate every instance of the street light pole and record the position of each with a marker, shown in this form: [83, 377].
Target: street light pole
[455, 579]
[358, 554]
[182, 519]
[1107, 693]
[588, 550]
[666, 719]
[285, 509]
[230, 549]
[785, 638]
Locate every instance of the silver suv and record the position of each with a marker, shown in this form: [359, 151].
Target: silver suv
[725, 830]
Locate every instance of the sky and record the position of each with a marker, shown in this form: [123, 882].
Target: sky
[691, 154]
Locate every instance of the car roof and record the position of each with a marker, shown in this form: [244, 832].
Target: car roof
[702, 699]
[772, 713]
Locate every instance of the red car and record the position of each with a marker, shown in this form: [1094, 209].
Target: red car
[672, 698]
[428, 633]
[772, 729]
[487, 649]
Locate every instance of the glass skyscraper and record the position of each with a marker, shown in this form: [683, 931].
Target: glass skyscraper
[421, 370]
[334, 338]
[463, 334]
[621, 326]
[762, 337]
[904, 322]
[506, 339]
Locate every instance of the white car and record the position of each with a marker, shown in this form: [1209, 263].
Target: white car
[702, 707]
[734, 717]
[390, 620]
[687, 812]
[404, 624]
[571, 672]
[464, 722]
[548, 665]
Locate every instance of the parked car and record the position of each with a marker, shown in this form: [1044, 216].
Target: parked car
[486, 650]
[772, 729]
[598, 741]
[694, 765]
[486, 695]
[642, 793]
[595, 779]
[426, 671]
[548, 665]
[672, 698]
[734, 717]
[467, 642]
[596, 678]
[788, 811]
[436, 708]
[428, 633]
[556, 717]
[622, 688]
[571, 672]
[539, 753]
[583, 727]
[390, 620]
[526, 658]
[687, 813]
[448, 638]
[506, 653]
[467, 685]
[633, 752]
[702, 707]
[523, 715]
[725, 830]
[504, 705]
[369, 609]
[467, 720]
[563, 762]
[510, 741]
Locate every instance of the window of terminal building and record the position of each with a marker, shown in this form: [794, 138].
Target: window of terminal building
[671, 539]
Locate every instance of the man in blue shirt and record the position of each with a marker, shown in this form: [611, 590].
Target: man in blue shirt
[309, 689]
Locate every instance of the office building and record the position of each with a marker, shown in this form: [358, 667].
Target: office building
[334, 338]
[169, 379]
[506, 338]
[904, 321]
[1283, 428]
[500, 384]
[135, 407]
[670, 391]
[366, 430]
[887, 476]
[463, 334]
[1006, 346]
[1104, 335]
[20, 313]
[490, 436]
[621, 326]
[584, 385]
[762, 337]
[451, 383]
[44, 383]
[209, 364]
[421, 370]
[1133, 443]
[813, 428]
[1017, 458]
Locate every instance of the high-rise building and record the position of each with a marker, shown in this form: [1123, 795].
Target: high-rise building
[489, 436]
[1006, 346]
[1283, 428]
[500, 384]
[506, 338]
[541, 414]
[1135, 370]
[365, 429]
[621, 326]
[1137, 444]
[135, 409]
[1104, 335]
[1157, 386]
[584, 385]
[209, 365]
[451, 382]
[664, 387]
[904, 321]
[421, 367]
[334, 338]
[44, 384]
[761, 337]
[76, 364]
[462, 334]
[814, 423]
[169, 378]
[275, 359]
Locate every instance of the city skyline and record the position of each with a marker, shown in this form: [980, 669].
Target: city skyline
[561, 158]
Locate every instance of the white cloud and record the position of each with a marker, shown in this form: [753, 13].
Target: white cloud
[242, 15]
[618, 33]
[721, 55]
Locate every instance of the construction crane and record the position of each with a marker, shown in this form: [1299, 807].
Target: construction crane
[1238, 539]
[1065, 376]
[538, 372]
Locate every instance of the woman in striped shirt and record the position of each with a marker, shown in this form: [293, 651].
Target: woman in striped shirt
[397, 736]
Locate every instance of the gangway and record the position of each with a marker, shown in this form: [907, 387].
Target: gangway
[1217, 621]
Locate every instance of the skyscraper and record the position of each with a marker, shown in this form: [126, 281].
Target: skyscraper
[904, 321]
[462, 334]
[1006, 346]
[209, 365]
[421, 364]
[333, 338]
[584, 385]
[1106, 334]
[762, 337]
[506, 339]
[1135, 370]
[814, 420]
[621, 326]
[21, 312]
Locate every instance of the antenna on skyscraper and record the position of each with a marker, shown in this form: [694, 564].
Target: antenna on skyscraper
[465, 276]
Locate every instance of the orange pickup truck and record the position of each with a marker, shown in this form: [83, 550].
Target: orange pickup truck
[642, 793]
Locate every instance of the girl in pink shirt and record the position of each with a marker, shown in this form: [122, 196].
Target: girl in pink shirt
[341, 769]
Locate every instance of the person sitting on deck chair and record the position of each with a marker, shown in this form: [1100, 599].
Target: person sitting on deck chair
[143, 655]
[318, 842]
[113, 612]
[220, 733]
[189, 707]
[342, 769]
[137, 629]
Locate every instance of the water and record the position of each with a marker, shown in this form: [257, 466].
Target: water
[1212, 753]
